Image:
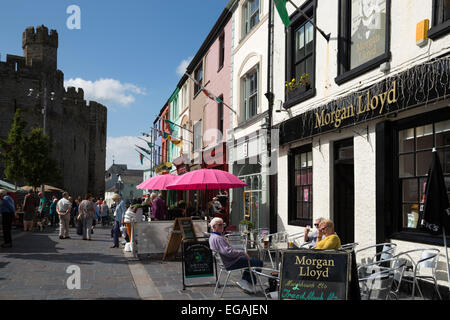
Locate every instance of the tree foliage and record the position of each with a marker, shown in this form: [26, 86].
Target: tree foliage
[12, 149]
[38, 166]
[28, 157]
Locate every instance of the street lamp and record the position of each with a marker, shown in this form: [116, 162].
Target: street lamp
[120, 184]
[36, 95]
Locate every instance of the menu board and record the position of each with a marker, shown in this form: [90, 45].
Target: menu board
[198, 259]
[187, 228]
[314, 275]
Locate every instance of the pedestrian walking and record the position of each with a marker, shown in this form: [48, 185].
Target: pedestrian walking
[8, 211]
[29, 208]
[118, 219]
[63, 208]
[104, 213]
[86, 214]
[52, 211]
[43, 207]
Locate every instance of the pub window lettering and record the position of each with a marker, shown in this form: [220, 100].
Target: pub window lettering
[441, 19]
[300, 187]
[364, 37]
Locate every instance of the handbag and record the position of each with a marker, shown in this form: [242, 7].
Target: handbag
[80, 228]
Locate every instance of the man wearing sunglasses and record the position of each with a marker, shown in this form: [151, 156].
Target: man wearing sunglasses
[331, 240]
[311, 235]
[231, 257]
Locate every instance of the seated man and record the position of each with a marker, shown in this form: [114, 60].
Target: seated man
[232, 258]
[331, 240]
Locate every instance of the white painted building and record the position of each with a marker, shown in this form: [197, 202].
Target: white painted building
[246, 143]
[355, 145]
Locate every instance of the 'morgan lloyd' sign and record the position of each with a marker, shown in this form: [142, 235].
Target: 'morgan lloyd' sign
[414, 87]
[314, 275]
[365, 103]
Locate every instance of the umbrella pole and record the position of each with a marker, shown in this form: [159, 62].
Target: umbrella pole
[446, 255]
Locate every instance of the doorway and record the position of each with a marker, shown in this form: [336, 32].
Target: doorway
[344, 191]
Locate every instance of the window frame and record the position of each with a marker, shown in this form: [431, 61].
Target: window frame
[246, 17]
[293, 220]
[197, 88]
[220, 117]
[221, 51]
[439, 27]
[344, 73]
[297, 21]
[198, 136]
[389, 188]
[245, 112]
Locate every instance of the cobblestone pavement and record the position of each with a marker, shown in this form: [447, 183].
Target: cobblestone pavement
[36, 267]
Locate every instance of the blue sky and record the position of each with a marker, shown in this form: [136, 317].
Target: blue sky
[125, 55]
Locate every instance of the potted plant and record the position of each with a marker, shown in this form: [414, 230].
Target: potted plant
[294, 84]
[247, 224]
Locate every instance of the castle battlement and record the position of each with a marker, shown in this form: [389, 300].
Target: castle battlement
[73, 93]
[40, 36]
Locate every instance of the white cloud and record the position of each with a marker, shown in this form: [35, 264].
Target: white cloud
[123, 151]
[181, 69]
[107, 91]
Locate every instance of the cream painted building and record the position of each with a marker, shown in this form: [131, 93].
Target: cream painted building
[356, 142]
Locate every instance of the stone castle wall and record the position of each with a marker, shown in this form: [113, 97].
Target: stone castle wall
[77, 129]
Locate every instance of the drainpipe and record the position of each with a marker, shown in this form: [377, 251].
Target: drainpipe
[270, 97]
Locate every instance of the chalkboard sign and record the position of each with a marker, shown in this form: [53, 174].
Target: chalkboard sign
[188, 229]
[314, 275]
[198, 259]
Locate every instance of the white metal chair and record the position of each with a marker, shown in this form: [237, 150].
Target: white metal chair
[222, 268]
[417, 268]
[387, 252]
[267, 274]
[376, 278]
[349, 246]
[237, 241]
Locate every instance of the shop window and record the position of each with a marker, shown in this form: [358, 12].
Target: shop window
[414, 158]
[300, 48]
[249, 85]
[441, 19]
[300, 186]
[363, 37]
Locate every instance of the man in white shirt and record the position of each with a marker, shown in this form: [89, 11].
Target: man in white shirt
[63, 208]
[311, 235]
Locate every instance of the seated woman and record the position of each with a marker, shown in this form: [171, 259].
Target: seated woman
[331, 240]
[231, 257]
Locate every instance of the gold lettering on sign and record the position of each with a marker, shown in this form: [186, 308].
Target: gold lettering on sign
[365, 103]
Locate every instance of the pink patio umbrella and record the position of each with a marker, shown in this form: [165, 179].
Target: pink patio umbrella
[206, 179]
[158, 182]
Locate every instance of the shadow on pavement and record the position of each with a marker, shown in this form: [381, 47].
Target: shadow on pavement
[74, 258]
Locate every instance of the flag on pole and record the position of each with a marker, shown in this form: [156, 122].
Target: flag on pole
[145, 150]
[141, 157]
[175, 141]
[208, 93]
[282, 11]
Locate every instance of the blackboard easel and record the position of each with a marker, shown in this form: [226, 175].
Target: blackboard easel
[182, 229]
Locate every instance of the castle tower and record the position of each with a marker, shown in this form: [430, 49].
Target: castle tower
[40, 47]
